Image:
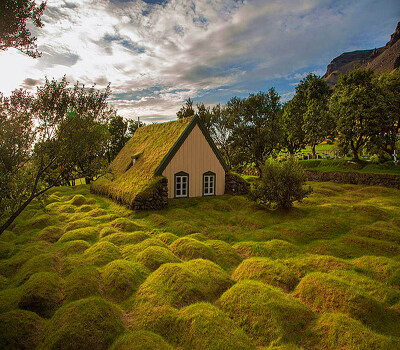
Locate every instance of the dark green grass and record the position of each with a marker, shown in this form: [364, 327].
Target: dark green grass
[205, 273]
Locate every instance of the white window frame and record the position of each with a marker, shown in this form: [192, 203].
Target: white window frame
[209, 184]
[180, 181]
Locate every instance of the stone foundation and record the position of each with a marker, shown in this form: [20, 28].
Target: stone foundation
[236, 185]
[386, 180]
[155, 198]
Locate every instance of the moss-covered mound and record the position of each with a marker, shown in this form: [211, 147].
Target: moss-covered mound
[6, 250]
[39, 263]
[167, 237]
[326, 293]
[74, 247]
[121, 278]
[186, 283]
[107, 230]
[265, 313]
[84, 234]
[153, 257]
[125, 225]
[41, 294]
[9, 299]
[188, 248]
[73, 225]
[79, 200]
[338, 331]
[101, 253]
[267, 271]
[140, 340]
[50, 234]
[82, 283]
[130, 251]
[90, 323]
[225, 255]
[122, 238]
[203, 326]
[20, 329]
[275, 249]
[304, 264]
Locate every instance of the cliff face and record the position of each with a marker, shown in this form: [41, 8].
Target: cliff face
[383, 59]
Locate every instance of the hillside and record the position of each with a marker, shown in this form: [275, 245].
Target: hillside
[383, 59]
[79, 271]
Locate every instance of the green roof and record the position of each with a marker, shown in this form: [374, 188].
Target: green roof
[149, 145]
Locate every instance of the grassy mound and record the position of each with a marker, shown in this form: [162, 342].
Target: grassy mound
[140, 340]
[82, 283]
[265, 313]
[154, 257]
[225, 255]
[85, 234]
[41, 294]
[203, 326]
[20, 329]
[183, 284]
[73, 225]
[167, 237]
[122, 238]
[381, 268]
[121, 278]
[131, 250]
[50, 234]
[107, 230]
[197, 236]
[304, 264]
[275, 249]
[326, 293]
[125, 225]
[101, 253]
[74, 247]
[337, 331]
[188, 248]
[39, 263]
[90, 323]
[6, 250]
[79, 200]
[267, 271]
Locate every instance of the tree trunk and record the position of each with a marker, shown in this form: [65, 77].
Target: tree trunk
[15, 214]
[314, 155]
[88, 180]
[355, 155]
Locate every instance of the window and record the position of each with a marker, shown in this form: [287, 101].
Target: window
[209, 184]
[181, 185]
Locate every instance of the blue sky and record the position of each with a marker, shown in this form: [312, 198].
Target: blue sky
[157, 53]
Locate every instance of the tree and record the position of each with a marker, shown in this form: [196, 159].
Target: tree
[256, 128]
[133, 125]
[66, 126]
[186, 110]
[311, 101]
[117, 127]
[293, 126]
[280, 185]
[13, 30]
[357, 108]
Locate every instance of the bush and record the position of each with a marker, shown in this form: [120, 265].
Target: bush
[91, 324]
[203, 326]
[265, 313]
[281, 184]
[140, 340]
[20, 329]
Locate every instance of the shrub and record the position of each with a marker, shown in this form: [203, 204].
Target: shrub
[121, 278]
[203, 326]
[188, 248]
[82, 283]
[281, 184]
[20, 329]
[265, 313]
[90, 323]
[154, 257]
[41, 294]
[140, 340]
[225, 255]
[267, 271]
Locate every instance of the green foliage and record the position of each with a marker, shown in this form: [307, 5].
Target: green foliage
[140, 340]
[265, 313]
[186, 110]
[90, 323]
[267, 271]
[281, 185]
[203, 326]
[20, 329]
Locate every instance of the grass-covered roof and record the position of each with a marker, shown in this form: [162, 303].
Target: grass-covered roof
[149, 145]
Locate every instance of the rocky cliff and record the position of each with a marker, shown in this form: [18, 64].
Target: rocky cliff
[383, 59]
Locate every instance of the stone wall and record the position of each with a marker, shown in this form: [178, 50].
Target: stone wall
[236, 185]
[154, 198]
[387, 180]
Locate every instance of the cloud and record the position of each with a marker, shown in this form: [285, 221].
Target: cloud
[158, 53]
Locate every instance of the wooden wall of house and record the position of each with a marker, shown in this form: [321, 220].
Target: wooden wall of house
[195, 157]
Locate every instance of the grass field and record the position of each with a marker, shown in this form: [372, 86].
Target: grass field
[206, 273]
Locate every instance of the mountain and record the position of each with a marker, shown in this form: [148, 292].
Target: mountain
[383, 59]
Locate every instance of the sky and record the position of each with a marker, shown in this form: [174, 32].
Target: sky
[158, 53]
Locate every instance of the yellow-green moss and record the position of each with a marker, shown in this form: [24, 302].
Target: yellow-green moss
[122, 238]
[167, 237]
[74, 247]
[225, 255]
[188, 248]
[140, 340]
[131, 250]
[6, 250]
[86, 234]
[153, 257]
[101, 253]
[50, 234]
[82, 283]
[275, 249]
